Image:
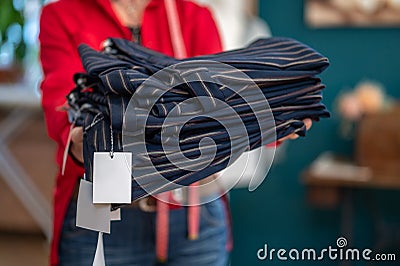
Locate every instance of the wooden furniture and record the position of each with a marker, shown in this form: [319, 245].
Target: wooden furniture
[331, 181]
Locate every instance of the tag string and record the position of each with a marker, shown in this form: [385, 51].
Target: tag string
[66, 149]
[112, 143]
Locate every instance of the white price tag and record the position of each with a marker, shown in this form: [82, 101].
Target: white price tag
[112, 177]
[116, 215]
[91, 216]
[99, 259]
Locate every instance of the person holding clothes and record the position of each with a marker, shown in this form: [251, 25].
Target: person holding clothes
[64, 25]
[150, 232]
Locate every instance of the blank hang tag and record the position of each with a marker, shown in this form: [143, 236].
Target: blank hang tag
[112, 177]
[116, 215]
[99, 255]
[91, 216]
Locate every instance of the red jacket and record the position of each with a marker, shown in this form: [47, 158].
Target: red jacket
[67, 23]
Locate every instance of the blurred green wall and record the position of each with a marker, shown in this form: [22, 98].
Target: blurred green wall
[277, 213]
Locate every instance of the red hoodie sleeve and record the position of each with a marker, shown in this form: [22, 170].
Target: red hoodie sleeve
[60, 60]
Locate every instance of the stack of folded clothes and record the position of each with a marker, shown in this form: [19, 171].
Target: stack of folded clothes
[184, 120]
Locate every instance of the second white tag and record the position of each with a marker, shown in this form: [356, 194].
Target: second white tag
[99, 259]
[112, 179]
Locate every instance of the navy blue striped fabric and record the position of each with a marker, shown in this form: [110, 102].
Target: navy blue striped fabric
[282, 70]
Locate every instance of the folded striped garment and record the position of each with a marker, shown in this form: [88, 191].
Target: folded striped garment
[184, 120]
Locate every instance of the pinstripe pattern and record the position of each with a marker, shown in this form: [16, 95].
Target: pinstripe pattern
[284, 69]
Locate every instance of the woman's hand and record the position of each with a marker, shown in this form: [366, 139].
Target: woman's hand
[76, 148]
[307, 122]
